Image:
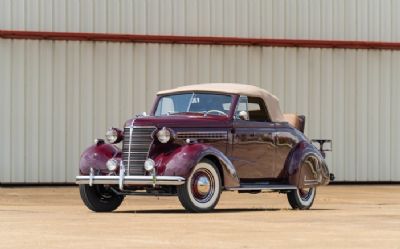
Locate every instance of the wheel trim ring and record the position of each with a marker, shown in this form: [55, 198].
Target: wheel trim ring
[198, 196]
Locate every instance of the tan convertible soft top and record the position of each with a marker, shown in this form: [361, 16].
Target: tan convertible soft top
[270, 100]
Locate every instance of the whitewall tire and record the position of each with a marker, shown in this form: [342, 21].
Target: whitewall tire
[202, 189]
[302, 198]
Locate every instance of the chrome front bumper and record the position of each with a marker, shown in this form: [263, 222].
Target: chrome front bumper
[131, 180]
[121, 180]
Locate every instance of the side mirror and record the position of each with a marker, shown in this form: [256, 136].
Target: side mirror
[243, 115]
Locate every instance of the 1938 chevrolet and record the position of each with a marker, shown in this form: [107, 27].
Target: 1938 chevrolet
[200, 140]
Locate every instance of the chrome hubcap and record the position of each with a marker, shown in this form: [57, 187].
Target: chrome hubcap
[203, 185]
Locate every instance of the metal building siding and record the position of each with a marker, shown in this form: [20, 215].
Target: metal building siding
[376, 20]
[58, 96]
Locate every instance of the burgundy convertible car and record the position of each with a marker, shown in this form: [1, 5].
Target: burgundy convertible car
[200, 140]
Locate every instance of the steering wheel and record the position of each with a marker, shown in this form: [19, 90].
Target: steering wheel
[217, 111]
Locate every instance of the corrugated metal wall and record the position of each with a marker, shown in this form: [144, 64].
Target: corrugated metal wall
[309, 19]
[56, 96]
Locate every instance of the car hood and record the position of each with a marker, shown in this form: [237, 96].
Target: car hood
[179, 121]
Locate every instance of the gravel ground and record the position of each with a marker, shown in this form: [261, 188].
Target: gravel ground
[343, 216]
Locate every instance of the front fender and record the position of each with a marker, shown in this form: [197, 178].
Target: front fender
[306, 167]
[96, 157]
[182, 160]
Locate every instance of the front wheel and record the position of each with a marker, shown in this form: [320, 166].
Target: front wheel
[202, 189]
[301, 198]
[99, 198]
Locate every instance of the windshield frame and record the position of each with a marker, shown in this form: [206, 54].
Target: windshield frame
[230, 113]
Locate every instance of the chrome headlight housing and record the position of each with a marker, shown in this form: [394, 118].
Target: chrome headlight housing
[112, 164]
[149, 164]
[164, 135]
[113, 135]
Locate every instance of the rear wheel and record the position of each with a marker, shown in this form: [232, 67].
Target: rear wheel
[99, 198]
[302, 198]
[202, 189]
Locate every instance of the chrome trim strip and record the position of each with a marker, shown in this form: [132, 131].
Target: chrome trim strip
[129, 150]
[134, 152]
[132, 180]
[202, 134]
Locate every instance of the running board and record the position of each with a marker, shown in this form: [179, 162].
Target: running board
[255, 187]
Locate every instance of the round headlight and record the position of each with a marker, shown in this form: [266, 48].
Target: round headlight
[112, 135]
[149, 164]
[112, 164]
[164, 135]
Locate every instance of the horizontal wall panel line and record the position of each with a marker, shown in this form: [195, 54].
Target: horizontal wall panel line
[200, 40]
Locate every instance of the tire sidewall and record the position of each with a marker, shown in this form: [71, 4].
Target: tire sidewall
[186, 196]
[90, 197]
[307, 202]
[217, 183]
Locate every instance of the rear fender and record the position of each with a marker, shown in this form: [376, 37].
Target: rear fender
[182, 160]
[96, 157]
[306, 166]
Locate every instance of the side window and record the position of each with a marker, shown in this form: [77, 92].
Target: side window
[242, 104]
[255, 108]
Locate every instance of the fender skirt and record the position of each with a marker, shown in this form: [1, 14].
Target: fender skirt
[306, 167]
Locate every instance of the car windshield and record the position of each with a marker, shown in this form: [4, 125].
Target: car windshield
[205, 103]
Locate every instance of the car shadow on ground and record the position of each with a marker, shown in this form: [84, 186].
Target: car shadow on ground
[221, 210]
[182, 211]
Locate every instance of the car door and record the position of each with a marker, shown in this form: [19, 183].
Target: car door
[253, 146]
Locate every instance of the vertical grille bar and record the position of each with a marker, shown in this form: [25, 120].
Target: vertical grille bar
[129, 149]
[135, 148]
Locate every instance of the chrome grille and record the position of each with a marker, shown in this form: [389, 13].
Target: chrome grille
[135, 148]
